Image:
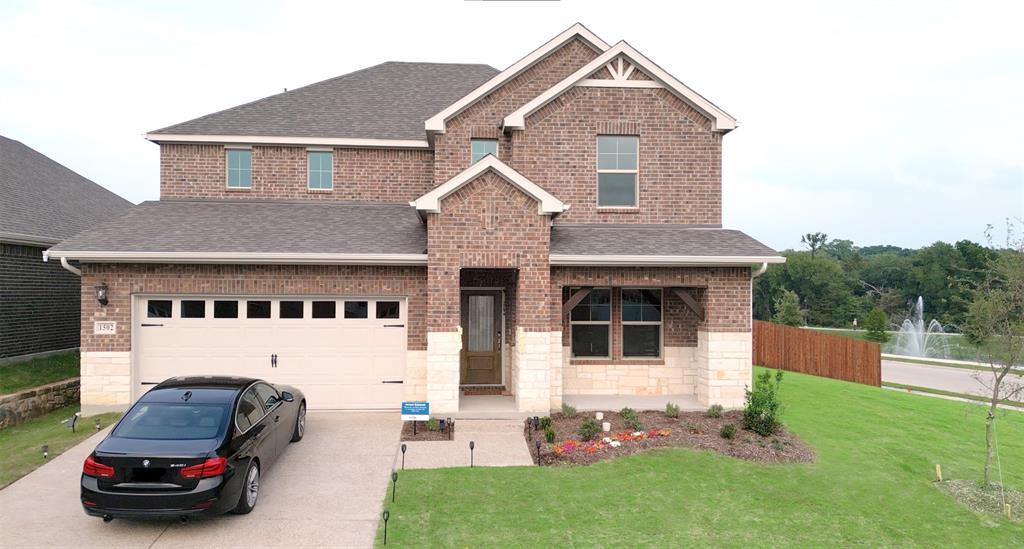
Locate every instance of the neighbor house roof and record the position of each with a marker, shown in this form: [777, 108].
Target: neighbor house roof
[43, 202]
[615, 244]
[389, 101]
[213, 231]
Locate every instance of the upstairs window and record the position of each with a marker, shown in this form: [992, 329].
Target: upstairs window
[239, 169]
[321, 170]
[617, 171]
[482, 147]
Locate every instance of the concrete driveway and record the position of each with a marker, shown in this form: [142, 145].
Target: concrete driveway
[959, 380]
[326, 490]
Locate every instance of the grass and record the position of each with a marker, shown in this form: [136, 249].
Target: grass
[942, 392]
[872, 485]
[38, 371]
[22, 452]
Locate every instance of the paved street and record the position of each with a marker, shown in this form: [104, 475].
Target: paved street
[326, 490]
[959, 380]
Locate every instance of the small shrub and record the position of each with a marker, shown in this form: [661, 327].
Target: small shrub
[432, 424]
[715, 411]
[549, 435]
[627, 413]
[545, 423]
[568, 411]
[728, 431]
[671, 410]
[761, 413]
[777, 445]
[589, 429]
[635, 425]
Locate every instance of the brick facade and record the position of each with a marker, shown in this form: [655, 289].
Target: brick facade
[38, 303]
[327, 280]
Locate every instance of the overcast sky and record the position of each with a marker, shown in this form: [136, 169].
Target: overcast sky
[890, 122]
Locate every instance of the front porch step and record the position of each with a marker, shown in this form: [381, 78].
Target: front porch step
[479, 390]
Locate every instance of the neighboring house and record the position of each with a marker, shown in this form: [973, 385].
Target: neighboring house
[42, 203]
[547, 231]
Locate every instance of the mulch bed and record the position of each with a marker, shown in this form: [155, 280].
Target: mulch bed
[690, 430]
[985, 499]
[422, 433]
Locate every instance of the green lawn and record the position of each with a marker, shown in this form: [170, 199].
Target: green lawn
[22, 444]
[38, 371]
[871, 486]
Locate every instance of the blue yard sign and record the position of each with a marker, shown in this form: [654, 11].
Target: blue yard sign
[415, 411]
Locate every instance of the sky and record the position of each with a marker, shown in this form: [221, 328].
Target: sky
[880, 122]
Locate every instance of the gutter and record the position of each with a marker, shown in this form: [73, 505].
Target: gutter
[761, 271]
[243, 258]
[68, 267]
[663, 260]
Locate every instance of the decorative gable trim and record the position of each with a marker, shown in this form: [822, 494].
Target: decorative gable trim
[547, 204]
[436, 123]
[621, 61]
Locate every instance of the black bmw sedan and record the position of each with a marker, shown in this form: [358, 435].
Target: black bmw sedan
[192, 446]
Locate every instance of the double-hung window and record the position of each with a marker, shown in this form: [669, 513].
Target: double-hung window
[321, 170]
[641, 323]
[239, 168]
[480, 148]
[590, 324]
[617, 171]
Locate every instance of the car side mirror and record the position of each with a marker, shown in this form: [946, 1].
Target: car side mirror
[287, 397]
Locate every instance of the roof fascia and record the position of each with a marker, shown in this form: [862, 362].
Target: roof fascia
[304, 141]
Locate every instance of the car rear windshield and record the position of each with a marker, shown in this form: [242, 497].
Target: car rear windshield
[172, 421]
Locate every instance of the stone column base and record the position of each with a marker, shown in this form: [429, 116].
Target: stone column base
[443, 355]
[533, 363]
[106, 382]
[724, 368]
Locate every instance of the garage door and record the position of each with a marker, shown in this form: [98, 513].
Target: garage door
[343, 353]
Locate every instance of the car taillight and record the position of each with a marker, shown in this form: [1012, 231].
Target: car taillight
[93, 469]
[209, 468]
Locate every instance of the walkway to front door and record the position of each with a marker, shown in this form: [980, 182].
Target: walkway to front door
[481, 337]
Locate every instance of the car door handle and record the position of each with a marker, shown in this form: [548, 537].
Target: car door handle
[392, 381]
[273, 361]
[277, 418]
[144, 325]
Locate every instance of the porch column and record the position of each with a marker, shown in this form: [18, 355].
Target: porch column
[724, 368]
[534, 370]
[444, 334]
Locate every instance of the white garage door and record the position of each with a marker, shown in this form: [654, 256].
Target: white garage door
[343, 353]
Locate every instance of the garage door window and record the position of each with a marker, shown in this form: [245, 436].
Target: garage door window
[388, 309]
[158, 308]
[324, 309]
[225, 309]
[356, 309]
[257, 309]
[191, 308]
[290, 309]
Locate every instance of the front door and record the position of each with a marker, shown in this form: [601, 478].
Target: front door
[481, 337]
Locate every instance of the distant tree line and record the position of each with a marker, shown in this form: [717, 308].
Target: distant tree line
[835, 282]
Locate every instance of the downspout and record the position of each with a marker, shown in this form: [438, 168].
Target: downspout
[757, 273]
[69, 267]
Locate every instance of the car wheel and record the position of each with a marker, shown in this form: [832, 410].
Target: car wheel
[250, 490]
[300, 424]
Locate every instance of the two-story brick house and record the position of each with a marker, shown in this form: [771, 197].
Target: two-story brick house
[552, 231]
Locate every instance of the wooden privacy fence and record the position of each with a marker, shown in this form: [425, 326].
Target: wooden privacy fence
[817, 353]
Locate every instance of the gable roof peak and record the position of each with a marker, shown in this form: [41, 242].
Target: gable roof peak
[437, 123]
[547, 204]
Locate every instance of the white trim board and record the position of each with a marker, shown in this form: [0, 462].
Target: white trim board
[722, 121]
[663, 260]
[437, 122]
[431, 202]
[247, 257]
[231, 140]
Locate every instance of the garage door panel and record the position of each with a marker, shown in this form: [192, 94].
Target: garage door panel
[338, 363]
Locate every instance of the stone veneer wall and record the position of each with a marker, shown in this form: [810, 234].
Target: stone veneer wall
[725, 368]
[443, 352]
[106, 381]
[677, 375]
[24, 405]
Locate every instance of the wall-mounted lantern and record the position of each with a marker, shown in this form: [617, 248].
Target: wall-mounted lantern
[102, 293]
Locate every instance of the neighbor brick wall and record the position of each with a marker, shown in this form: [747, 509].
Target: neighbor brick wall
[451, 149]
[279, 173]
[488, 223]
[679, 155]
[726, 293]
[39, 308]
[127, 279]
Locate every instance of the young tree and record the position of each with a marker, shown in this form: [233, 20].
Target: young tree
[787, 310]
[814, 241]
[876, 323]
[995, 322]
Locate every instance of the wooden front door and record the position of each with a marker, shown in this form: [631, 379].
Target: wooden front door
[481, 337]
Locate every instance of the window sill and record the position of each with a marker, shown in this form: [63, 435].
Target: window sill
[319, 191]
[618, 209]
[239, 189]
[617, 361]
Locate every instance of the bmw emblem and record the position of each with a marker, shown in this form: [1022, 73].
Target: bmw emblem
[145, 463]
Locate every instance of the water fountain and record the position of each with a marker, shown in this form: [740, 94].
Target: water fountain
[914, 339]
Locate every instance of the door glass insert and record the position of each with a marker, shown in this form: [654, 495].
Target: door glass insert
[481, 323]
